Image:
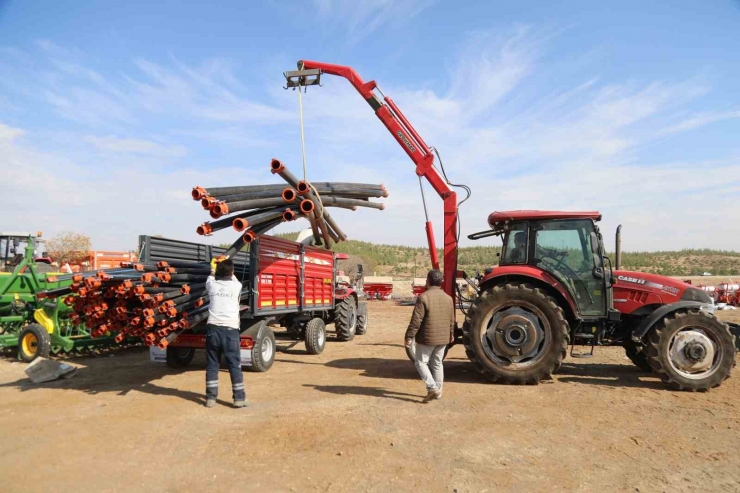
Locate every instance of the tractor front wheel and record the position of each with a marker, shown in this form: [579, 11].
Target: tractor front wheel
[515, 334]
[638, 355]
[362, 319]
[691, 350]
[33, 342]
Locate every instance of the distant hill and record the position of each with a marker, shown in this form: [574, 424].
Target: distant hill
[405, 262]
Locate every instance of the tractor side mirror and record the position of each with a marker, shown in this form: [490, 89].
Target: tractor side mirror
[598, 270]
[595, 245]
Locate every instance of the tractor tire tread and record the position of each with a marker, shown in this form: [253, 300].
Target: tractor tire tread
[342, 316]
[490, 296]
[314, 327]
[660, 336]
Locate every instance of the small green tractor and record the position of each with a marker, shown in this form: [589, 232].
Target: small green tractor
[35, 325]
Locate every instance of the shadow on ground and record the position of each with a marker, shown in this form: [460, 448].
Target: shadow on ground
[455, 371]
[609, 375]
[367, 391]
[98, 375]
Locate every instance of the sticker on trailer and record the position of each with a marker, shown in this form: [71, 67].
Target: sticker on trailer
[317, 261]
[157, 355]
[246, 357]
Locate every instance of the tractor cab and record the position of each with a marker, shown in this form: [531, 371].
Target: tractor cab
[567, 246]
[13, 246]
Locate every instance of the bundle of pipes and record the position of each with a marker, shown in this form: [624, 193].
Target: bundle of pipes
[254, 209]
[153, 301]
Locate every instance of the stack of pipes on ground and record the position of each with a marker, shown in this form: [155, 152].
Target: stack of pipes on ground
[254, 209]
[153, 301]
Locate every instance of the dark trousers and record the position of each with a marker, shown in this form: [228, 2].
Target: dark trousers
[222, 340]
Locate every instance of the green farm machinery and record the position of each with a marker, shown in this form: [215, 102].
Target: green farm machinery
[30, 321]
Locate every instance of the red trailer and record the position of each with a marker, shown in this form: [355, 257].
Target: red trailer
[290, 285]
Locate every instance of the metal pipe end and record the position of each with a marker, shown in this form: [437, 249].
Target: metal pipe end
[163, 344]
[220, 208]
[162, 264]
[198, 193]
[289, 194]
[303, 187]
[208, 202]
[171, 311]
[307, 206]
[185, 289]
[289, 215]
[382, 207]
[276, 166]
[249, 236]
[204, 229]
[240, 224]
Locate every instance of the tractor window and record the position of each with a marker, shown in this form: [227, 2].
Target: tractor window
[515, 245]
[563, 248]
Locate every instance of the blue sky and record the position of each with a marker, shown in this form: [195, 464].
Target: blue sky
[111, 111]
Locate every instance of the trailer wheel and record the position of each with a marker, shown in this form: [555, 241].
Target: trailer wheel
[638, 356]
[691, 350]
[179, 357]
[345, 319]
[515, 334]
[315, 336]
[263, 352]
[362, 319]
[33, 342]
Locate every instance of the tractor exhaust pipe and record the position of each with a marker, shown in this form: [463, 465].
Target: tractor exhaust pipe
[618, 249]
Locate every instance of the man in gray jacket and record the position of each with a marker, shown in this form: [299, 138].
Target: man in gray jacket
[432, 326]
[222, 333]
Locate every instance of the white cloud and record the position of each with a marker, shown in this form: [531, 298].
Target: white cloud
[700, 120]
[135, 146]
[362, 17]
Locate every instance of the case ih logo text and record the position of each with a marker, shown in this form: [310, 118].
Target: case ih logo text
[631, 279]
[406, 141]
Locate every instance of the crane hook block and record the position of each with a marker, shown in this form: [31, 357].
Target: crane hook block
[302, 78]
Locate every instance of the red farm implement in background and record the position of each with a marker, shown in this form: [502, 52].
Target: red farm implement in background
[378, 287]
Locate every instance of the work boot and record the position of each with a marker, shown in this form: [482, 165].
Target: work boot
[431, 395]
[210, 402]
[239, 404]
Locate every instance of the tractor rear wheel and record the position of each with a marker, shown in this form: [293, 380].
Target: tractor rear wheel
[315, 336]
[638, 355]
[345, 319]
[691, 350]
[362, 319]
[515, 334]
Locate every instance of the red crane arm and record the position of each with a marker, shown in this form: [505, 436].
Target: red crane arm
[419, 152]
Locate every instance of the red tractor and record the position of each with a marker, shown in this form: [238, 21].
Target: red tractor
[554, 286]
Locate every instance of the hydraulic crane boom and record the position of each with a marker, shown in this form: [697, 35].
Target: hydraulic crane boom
[408, 138]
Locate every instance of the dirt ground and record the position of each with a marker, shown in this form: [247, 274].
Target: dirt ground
[351, 419]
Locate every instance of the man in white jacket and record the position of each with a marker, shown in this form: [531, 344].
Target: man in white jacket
[222, 334]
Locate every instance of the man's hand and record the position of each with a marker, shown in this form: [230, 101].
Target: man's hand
[214, 261]
[408, 342]
[452, 337]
